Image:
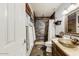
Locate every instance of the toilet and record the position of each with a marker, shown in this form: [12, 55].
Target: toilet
[48, 44]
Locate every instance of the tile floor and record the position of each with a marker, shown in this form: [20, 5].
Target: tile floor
[37, 51]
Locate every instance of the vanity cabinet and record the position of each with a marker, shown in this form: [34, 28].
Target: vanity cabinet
[56, 51]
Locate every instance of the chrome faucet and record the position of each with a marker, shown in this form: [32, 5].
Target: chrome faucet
[74, 40]
[70, 36]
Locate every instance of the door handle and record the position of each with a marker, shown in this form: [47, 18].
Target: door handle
[24, 40]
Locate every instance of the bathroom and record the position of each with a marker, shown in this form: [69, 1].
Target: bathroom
[56, 23]
[39, 29]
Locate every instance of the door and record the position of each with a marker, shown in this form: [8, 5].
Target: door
[3, 29]
[13, 31]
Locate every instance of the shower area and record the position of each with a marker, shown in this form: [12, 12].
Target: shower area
[41, 28]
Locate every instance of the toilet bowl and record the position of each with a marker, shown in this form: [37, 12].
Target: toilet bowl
[48, 44]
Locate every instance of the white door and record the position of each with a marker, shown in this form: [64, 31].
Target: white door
[3, 29]
[13, 31]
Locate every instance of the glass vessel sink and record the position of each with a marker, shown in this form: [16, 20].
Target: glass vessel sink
[66, 42]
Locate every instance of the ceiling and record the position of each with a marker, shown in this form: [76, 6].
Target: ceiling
[44, 9]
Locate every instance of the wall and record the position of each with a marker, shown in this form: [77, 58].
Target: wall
[59, 16]
[51, 31]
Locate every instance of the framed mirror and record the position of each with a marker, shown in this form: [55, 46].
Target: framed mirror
[72, 22]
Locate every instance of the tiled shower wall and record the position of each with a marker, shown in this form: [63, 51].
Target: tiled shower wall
[41, 26]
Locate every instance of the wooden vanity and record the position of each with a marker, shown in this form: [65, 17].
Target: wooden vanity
[60, 50]
[56, 51]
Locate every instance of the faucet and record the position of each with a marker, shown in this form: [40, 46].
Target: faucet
[74, 40]
[70, 36]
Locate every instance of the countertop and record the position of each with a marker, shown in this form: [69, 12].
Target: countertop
[68, 51]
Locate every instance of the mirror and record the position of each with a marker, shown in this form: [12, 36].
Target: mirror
[72, 22]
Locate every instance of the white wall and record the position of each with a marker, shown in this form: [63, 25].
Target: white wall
[51, 30]
[59, 16]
